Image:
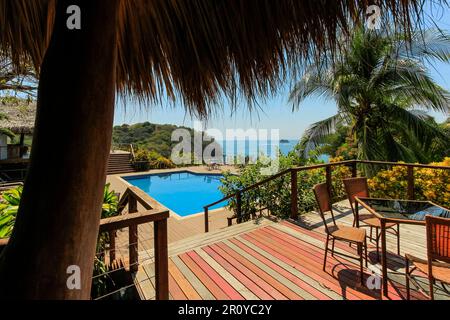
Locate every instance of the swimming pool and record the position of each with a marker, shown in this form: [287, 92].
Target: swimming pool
[185, 193]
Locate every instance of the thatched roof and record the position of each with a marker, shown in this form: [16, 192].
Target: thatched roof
[203, 50]
[18, 116]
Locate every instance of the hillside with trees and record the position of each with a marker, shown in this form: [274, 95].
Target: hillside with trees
[149, 136]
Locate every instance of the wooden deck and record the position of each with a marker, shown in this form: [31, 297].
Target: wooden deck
[279, 260]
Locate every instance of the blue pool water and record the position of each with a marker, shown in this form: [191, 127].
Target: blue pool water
[184, 193]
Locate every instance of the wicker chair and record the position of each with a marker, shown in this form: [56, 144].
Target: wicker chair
[437, 265]
[357, 187]
[338, 232]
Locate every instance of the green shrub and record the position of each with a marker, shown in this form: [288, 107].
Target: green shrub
[9, 206]
[429, 184]
[145, 160]
[276, 194]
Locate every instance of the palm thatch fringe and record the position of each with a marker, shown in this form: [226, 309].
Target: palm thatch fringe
[203, 50]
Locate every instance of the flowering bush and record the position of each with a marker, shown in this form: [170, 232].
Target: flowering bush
[429, 184]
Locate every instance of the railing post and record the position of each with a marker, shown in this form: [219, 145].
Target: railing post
[161, 260]
[294, 195]
[328, 180]
[239, 207]
[133, 236]
[410, 182]
[206, 219]
[112, 246]
[354, 169]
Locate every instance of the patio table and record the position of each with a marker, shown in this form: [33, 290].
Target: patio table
[398, 211]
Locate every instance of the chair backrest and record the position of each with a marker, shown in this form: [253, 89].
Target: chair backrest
[324, 202]
[438, 238]
[356, 187]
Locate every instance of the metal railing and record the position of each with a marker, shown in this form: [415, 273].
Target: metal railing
[293, 172]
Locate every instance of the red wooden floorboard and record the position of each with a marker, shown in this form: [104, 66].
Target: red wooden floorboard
[253, 287]
[215, 290]
[285, 291]
[246, 258]
[294, 279]
[337, 263]
[225, 286]
[321, 278]
[250, 274]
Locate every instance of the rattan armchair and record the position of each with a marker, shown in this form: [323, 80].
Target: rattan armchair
[437, 265]
[358, 187]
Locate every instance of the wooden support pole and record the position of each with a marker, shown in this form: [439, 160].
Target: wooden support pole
[294, 195]
[328, 180]
[161, 260]
[133, 236]
[206, 219]
[354, 170]
[411, 183]
[112, 246]
[239, 207]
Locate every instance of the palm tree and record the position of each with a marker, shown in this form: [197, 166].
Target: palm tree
[382, 89]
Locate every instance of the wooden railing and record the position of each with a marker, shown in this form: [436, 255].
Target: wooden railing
[154, 213]
[293, 172]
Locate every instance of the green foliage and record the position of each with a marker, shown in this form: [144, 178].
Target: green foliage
[110, 202]
[9, 206]
[276, 194]
[377, 81]
[145, 160]
[8, 210]
[149, 136]
[429, 184]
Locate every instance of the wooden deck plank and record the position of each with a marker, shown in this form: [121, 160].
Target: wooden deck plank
[255, 276]
[203, 277]
[175, 289]
[238, 275]
[323, 279]
[285, 278]
[193, 280]
[281, 284]
[341, 265]
[221, 282]
[243, 290]
[307, 291]
[186, 287]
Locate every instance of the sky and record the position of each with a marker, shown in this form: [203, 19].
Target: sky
[275, 113]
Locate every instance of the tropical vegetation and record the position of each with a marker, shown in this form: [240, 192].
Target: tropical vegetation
[275, 195]
[145, 160]
[149, 136]
[429, 184]
[101, 282]
[382, 88]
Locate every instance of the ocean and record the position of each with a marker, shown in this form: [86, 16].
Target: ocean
[253, 148]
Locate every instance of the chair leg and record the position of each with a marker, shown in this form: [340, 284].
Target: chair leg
[365, 248]
[332, 248]
[361, 272]
[408, 297]
[326, 251]
[431, 282]
[398, 239]
[371, 237]
[378, 243]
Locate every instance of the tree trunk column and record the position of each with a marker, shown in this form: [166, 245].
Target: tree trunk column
[58, 220]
